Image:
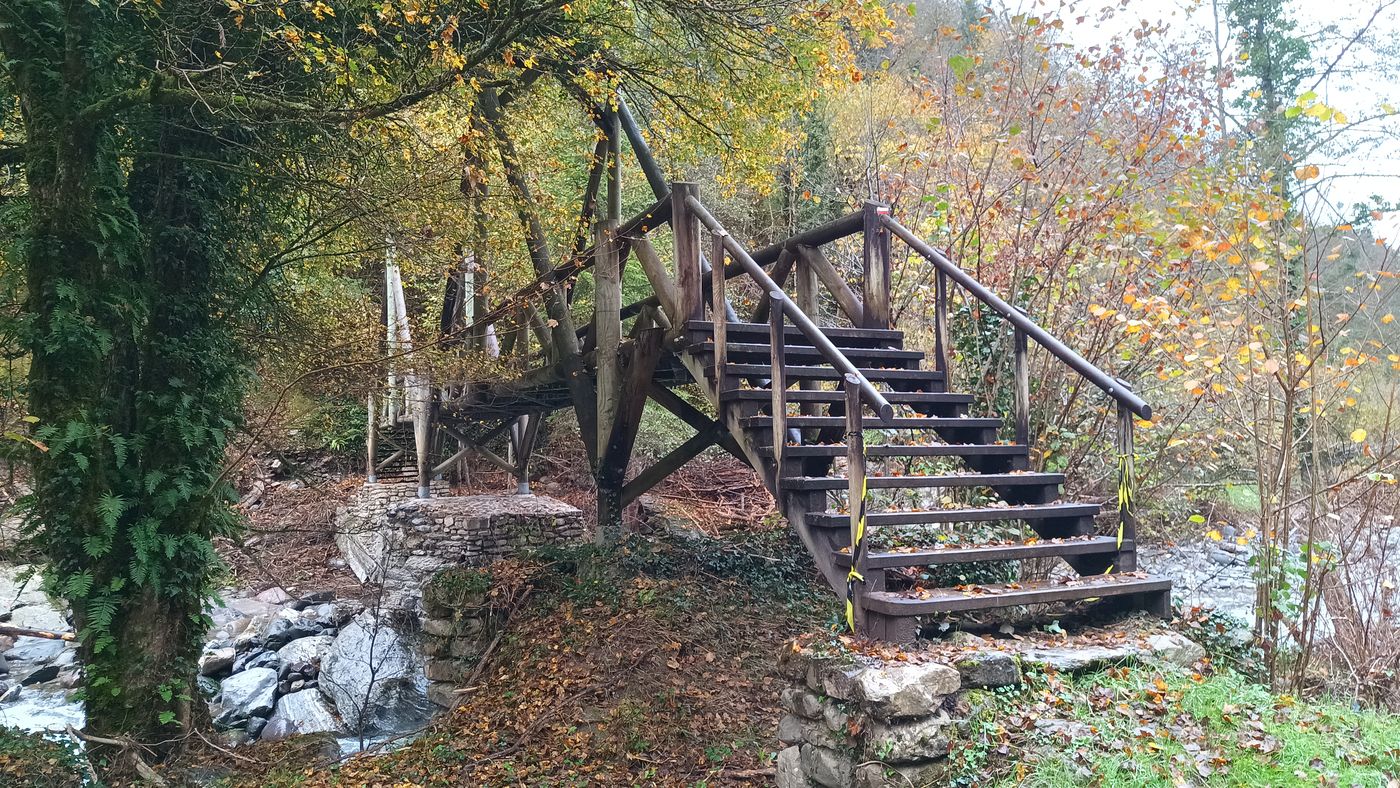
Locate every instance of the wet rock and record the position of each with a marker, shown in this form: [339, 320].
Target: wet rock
[252, 693]
[300, 713]
[30, 649]
[9, 692]
[40, 675]
[307, 649]
[217, 661]
[283, 631]
[254, 635]
[4, 665]
[372, 677]
[255, 726]
[311, 599]
[208, 688]
[257, 659]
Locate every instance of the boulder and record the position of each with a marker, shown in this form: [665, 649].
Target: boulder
[261, 658]
[216, 661]
[252, 693]
[40, 675]
[906, 690]
[372, 677]
[307, 649]
[283, 630]
[300, 713]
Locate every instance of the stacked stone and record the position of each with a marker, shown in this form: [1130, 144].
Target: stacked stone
[361, 527]
[456, 633]
[856, 722]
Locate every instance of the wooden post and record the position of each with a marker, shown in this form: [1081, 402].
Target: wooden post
[721, 321]
[529, 433]
[614, 213]
[1023, 389]
[607, 327]
[940, 325]
[372, 441]
[686, 228]
[855, 502]
[1127, 490]
[778, 344]
[422, 433]
[876, 261]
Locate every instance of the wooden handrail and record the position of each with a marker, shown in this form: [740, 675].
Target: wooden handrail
[1111, 386]
[797, 317]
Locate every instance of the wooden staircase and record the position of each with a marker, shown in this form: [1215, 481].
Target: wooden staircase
[940, 499]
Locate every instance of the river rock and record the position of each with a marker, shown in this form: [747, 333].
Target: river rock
[372, 676]
[39, 676]
[300, 713]
[31, 649]
[252, 693]
[216, 661]
[305, 649]
[257, 659]
[274, 596]
[284, 630]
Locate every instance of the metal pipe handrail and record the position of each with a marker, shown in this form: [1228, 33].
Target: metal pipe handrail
[1113, 387]
[819, 340]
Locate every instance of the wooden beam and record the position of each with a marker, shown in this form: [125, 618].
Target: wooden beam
[845, 297]
[697, 420]
[607, 329]
[660, 279]
[685, 228]
[658, 471]
[781, 271]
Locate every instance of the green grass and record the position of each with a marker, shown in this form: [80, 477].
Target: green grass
[1143, 727]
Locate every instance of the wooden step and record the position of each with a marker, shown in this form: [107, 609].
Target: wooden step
[834, 396]
[926, 377]
[897, 450]
[809, 354]
[793, 483]
[873, 423]
[1043, 511]
[966, 554]
[841, 337]
[981, 597]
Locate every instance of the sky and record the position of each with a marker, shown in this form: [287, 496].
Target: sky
[1363, 161]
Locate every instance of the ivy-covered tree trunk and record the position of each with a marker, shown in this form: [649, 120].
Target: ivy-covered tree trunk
[134, 376]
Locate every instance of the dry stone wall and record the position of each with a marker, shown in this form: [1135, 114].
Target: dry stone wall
[390, 536]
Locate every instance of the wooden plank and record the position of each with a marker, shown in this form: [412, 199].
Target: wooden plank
[876, 260]
[808, 354]
[685, 228]
[845, 297]
[940, 480]
[843, 336]
[927, 376]
[832, 397]
[966, 554]
[967, 515]
[928, 422]
[948, 600]
[896, 450]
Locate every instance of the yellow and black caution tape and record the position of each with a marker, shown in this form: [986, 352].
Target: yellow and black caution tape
[1126, 475]
[857, 554]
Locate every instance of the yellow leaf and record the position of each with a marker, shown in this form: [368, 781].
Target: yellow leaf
[1388, 319]
[1307, 172]
[1358, 435]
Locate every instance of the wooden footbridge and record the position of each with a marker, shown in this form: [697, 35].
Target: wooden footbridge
[882, 471]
